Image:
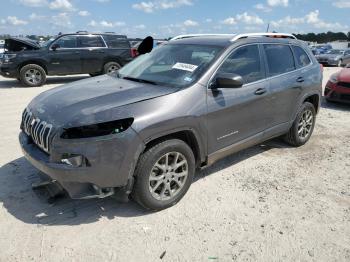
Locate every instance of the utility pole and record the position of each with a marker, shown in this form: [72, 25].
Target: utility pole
[268, 27]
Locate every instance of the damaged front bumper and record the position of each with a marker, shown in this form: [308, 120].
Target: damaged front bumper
[110, 163]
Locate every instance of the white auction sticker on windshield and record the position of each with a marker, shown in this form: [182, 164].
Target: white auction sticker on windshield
[185, 67]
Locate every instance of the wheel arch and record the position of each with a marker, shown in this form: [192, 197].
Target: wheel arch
[35, 62]
[313, 99]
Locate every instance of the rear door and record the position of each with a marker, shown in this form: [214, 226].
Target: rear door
[65, 59]
[119, 49]
[93, 52]
[238, 113]
[286, 83]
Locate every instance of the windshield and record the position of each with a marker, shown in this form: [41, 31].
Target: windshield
[47, 43]
[174, 65]
[335, 52]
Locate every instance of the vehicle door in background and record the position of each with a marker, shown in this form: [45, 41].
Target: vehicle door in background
[285, 83]
[64, 56]
[119, 49]
[92, 53]
[235, 114]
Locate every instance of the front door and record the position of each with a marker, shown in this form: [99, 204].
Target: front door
[93, 53]
[65, 56]
[235, 114]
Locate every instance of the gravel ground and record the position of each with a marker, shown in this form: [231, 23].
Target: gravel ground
[267, 203]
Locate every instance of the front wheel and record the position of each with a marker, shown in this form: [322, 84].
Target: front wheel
[163, 174]
[303, 126]
[32, 75]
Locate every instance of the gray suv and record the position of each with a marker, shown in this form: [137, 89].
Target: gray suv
[145, 129]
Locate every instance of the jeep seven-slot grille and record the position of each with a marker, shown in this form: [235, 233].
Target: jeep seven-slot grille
[38, 130]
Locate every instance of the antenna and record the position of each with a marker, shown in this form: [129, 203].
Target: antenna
[268, 27]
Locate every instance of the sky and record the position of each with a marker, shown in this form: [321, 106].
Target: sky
[166, 18]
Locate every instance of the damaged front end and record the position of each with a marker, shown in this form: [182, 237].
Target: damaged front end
[17, 44]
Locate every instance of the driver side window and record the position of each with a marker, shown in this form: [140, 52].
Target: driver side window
[245, 61]
[69, 41]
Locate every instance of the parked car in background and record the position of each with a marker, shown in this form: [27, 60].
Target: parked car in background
[334, 57]
[145, 129]
[2, 48]
[66, 54]
[338, 87]
[320, 49]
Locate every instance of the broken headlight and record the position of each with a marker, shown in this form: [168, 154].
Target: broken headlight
[95, 130]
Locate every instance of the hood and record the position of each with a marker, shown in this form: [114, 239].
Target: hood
[344, 75]
[92, 100]
[16, 44]
[329, 56]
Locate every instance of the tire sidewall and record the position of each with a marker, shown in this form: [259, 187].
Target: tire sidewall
[144, 196]
[305, 106]
[36, 67]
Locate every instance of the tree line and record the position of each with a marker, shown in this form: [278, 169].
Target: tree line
[324, 37]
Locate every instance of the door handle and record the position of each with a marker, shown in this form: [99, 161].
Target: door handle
[260, 91]
[300, 79]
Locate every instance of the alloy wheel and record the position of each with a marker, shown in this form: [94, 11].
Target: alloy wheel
[168, 176]
[33, 76]
[305, 124]
[112, 68]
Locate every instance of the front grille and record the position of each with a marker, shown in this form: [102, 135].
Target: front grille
[38, 130]
[345, 97]
[344, 84]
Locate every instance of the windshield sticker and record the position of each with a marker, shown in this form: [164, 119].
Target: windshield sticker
[185, 67]
[188, 79]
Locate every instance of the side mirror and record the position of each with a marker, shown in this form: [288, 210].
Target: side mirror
[54, 47]
[227, 80]
[146, 46]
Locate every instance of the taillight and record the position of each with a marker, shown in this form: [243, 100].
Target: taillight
[134, 52]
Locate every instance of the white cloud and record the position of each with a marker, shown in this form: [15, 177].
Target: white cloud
[92, 23]
[208, 20]
[262, 7]
[34, 3]
[64, 5]
[83, 13]
[105, 24]
[13, 20]
[151, 6]
[249, 19]
[342, 4]
[141, 26]
[35, 16]
[277, 3]
[189, 23]
[229, 21]
[61, 20]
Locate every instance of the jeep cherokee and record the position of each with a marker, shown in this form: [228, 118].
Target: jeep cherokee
[145, 129]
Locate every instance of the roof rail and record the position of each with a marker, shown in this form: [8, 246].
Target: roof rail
[272, 35]
[198, 35]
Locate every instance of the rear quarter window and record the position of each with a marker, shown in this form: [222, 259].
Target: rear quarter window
[280, 59]
[301, 57]
[116, 42]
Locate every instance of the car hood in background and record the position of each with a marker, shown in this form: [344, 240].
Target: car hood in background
[16, 44]
[80, 102]
[329, 56]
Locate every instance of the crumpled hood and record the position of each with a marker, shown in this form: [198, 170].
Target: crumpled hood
[344, 75]
[79, 102]
[16, 44]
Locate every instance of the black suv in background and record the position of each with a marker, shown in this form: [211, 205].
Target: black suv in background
[67, 54]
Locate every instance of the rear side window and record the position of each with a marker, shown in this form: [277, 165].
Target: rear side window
[245, 61]
[302, 59]
[280, 59]
[116, 42]
[90, 41]
[69, 41]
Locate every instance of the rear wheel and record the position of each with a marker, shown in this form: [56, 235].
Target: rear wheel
[303, 126]
[32, 75]
[111, 67]
[163, 174]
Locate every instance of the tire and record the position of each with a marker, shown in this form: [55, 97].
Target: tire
[32, 75]
[295, 136]
[111, 67]
[151, 189]
[94, 74]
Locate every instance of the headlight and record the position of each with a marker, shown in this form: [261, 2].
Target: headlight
[95, 130]
[334, 78]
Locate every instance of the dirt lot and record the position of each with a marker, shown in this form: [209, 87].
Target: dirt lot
[268, 203]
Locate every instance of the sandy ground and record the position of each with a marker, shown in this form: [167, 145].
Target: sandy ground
[267, 203]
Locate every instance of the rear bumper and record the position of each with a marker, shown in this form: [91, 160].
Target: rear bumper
[111, 163]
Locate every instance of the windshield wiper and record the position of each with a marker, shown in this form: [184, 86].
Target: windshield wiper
[139, 80]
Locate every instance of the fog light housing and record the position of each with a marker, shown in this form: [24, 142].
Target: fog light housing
[73, 160]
